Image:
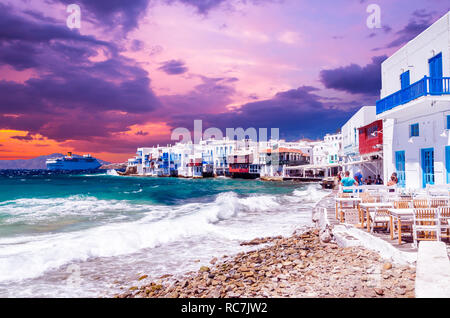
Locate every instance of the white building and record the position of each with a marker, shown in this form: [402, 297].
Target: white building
[333, 147]
[351, 157]
[415, 109]
[350, 135]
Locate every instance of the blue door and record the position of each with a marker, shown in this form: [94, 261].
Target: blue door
[405, 79]
[428, 166]
[435, 64]
[400, 167]
[447, 162]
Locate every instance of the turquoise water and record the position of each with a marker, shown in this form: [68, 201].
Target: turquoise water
[122, 225]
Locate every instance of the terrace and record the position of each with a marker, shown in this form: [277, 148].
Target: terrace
[424, 87]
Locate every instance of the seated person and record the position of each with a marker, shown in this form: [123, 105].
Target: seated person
[379, 180]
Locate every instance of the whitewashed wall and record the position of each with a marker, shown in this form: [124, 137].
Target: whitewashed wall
[415, 55]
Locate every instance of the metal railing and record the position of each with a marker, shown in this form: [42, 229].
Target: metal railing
[425, 86]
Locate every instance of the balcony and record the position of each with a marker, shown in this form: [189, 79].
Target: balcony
[425, 86]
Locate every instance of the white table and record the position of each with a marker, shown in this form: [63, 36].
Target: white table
[365, 207]
[340, 201]
[400, 215]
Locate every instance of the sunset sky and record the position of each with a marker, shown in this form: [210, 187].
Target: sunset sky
[135, 70]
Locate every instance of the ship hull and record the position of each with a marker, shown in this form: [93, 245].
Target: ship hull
[74, 165]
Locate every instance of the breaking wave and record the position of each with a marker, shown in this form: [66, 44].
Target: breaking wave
[30, 256]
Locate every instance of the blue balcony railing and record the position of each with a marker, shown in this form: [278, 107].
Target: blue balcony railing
[425, 86]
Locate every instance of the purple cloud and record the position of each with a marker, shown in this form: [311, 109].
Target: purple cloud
[299, 113]
[420, 20]
[100, 97]
[355, 79]
[203, 7]
[173, 67]
[121, 13]
[27, 137]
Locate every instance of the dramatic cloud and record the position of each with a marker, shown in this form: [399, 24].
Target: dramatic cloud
[123, 13]
[420, 21]
[92, 89]
[74, 97]
[355, 79]
[27, 137]
[173, 67]
[17, 28]
[211, 95]
[202, 6]
[298, 113]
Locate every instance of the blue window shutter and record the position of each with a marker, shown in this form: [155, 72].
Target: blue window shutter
[427, 166]
[448, 121]
[405, 79]
[400, 168]
[435, 65]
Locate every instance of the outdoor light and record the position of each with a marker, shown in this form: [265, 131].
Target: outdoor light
[411, 141]
[444, 133]
[375, 133]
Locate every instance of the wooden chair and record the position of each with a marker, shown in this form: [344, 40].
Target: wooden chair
[407, 225]
[436, 203]
[420, 204]
[402, 204]
[350, 216]
[426, 221]
[444, 221]
[380, 216]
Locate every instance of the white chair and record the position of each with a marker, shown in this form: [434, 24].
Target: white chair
[438, 190]
[444, 221]
[352, 191]
[426, 221]
[379, 216]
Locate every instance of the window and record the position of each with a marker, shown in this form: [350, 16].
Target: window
[448, 121]
[414, 130]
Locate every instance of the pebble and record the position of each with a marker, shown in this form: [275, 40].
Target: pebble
[295, 266]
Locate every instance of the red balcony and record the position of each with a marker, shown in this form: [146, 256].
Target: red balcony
[371, 138]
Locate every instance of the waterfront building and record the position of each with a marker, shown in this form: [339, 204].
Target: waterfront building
[414, 107]
[274, 161]
[362, 143]
[242, 165]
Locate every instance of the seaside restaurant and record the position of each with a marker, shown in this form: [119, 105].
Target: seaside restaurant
[415, 112]
[415, 109]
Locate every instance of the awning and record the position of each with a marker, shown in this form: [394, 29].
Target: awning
[358, 162]
[313, 167]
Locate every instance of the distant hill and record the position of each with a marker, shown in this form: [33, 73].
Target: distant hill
[34, 163]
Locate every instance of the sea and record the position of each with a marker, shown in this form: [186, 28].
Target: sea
[96, 234]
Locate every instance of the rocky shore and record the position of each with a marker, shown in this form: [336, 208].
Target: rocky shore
[297, 266]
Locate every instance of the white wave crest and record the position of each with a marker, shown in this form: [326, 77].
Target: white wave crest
[30, 256]
[38, 210]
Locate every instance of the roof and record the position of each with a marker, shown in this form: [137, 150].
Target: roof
[286, 150]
